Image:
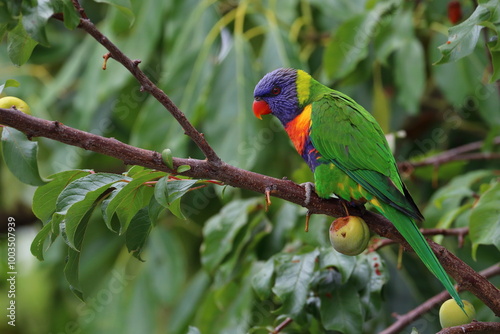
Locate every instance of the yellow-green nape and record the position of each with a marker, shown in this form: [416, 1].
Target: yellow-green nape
[303, 86]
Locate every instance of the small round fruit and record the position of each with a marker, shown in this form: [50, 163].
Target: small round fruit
[349, 235]
[450, 314]
[8, 102]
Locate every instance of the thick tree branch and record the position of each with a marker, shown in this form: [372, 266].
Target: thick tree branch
[236, 177]
[474, 327]
[406, 319]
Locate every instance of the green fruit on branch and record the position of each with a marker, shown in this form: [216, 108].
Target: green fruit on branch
[451, 315]
[8, 102]
[349, 235]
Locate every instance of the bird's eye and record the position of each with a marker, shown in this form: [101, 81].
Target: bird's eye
[276, 90]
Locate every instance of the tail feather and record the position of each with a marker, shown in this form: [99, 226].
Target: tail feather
[409, 230]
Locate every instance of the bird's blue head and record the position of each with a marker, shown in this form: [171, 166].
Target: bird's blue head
[276, 93]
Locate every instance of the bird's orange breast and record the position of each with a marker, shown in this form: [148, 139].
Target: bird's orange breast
[298, 129]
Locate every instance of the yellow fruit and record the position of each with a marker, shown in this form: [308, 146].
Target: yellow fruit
[450, 314]
[349, 235]
[8, 102]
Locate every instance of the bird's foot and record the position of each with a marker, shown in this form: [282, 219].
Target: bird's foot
[308, 187]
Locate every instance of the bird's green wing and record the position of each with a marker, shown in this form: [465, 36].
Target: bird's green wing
[344, 133]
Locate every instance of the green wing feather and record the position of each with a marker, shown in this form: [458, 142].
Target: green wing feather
[352, 139]
[348, 136]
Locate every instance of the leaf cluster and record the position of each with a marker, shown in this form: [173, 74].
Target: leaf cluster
[215, 260]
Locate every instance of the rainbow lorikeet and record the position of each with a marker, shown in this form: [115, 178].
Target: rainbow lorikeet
[346, 150]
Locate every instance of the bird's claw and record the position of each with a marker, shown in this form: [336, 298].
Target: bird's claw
[308, 187]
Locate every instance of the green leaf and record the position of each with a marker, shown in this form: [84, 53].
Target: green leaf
[349, 43]
[45, 197]
[135, 170]
[452, 195]
[341, 310]
[244, 245]
[175, 209]
[138, 232]
[9, 83]
[462, 38]
[78, 199]
[495, 60]
[35, 19]
[293, 275]
[394, 33]
[19, 45]
[169, 192]
[344, 264]
[457, 189]
[183, 168]
[72, 267]
[448, 218]
[166, 156]
[72, 271]
[128, 200]
[20, 156]
[262, 281]
[154, 210]
[37, 243]
[484, 221]
[410, 74]
[71, 17]
[220, 231]
[112, 224]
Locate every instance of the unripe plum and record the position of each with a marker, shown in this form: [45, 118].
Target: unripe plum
[8, 102]
[450, 314]
[349, 235]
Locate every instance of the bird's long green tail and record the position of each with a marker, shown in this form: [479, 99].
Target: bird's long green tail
[409, 230]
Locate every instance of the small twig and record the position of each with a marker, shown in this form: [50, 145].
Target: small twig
[405, 319]
[150, 183]
[148, 86]
[282, 326]
[308, 217]
[459, 153]
[267, 193]
[460, 232]
[198, 187]
[214, 182]
[79, 9]
[106, 57]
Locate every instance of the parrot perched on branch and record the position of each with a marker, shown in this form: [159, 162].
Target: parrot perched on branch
[346, 150]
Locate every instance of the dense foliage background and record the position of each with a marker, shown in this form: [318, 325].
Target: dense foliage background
[229, 266]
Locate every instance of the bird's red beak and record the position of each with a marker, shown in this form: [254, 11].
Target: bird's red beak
[260, 107]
